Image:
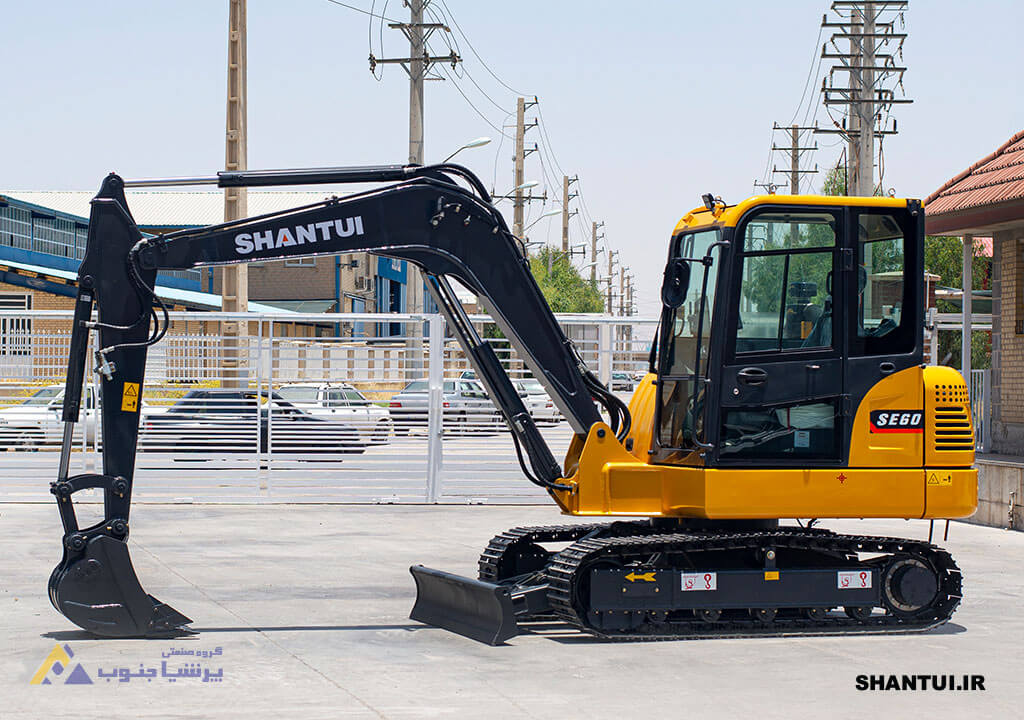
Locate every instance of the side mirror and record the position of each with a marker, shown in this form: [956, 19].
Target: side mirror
[676, 283]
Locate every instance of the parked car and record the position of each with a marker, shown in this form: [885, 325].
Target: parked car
[537, 401]
[225, 420]
[465, 407]
[622, 381]
[341, 402]
[36, 421]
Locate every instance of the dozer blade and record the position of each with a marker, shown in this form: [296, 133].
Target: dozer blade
[478, 610]
[99, 591]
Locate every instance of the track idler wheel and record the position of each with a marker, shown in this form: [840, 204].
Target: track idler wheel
[908, 586]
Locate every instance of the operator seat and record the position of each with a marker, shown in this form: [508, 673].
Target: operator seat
[821, 333]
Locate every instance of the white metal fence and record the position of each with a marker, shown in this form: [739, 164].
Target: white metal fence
[320, 417]
[981, 404]
[308, 415]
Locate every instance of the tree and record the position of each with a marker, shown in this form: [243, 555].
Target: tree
[835, 181]
[564, 289]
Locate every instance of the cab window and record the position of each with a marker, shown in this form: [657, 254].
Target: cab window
[882, 325]
[785, 288]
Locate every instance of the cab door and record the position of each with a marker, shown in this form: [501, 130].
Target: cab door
[885, 299]
[782, 391]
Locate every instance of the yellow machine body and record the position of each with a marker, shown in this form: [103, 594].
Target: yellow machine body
[925, 473]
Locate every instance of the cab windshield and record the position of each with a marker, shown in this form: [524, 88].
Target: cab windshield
[685, 338]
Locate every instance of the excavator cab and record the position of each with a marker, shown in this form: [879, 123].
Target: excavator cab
[786, 382]
[804, 305]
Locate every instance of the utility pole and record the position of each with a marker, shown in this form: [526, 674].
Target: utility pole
[795, 151]
[517, 174]
[417, 65]
[519, 160]
[566, 214]
[865, 67]
[234, 290]
[622, 290]
[566, 197]
[627, 334]
[593, 250]
[611, 275]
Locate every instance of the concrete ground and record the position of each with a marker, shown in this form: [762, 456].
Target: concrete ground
[308, 606]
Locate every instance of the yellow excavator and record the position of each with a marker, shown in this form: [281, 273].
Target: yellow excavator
[786, 381]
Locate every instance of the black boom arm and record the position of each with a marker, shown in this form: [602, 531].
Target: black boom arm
[427, 218]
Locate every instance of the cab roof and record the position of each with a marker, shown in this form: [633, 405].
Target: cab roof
[730, 215]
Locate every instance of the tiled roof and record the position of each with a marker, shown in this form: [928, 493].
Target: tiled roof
[173, 208]
[994, 179]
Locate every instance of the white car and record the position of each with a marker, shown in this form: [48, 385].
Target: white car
[537, 400]
[342, 402]
[36, 420]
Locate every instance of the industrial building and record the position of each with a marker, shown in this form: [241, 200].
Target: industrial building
[42, 239]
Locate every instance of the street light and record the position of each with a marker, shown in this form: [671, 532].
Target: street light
[549, 213]
[525, 186]
[479, 142]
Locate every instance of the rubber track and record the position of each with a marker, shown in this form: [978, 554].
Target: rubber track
[505, 542]
[565, 568]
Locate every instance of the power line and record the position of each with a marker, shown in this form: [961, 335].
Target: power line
[469, 102]
[482, 92]
[807, 83]
[547, 141]
[364, 12]
[451, 17]
[497, 154]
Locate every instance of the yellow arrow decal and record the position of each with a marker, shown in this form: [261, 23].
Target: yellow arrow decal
[646, 577]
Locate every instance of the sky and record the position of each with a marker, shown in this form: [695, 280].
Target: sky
[650, 104]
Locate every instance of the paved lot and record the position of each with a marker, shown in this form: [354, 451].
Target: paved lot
[308, 606]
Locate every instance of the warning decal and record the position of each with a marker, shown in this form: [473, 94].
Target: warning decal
[940, 479]
[699, 581]
[853, 580]
[130, 397]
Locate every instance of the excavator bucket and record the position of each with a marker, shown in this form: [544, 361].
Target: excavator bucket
[478, 610]
[97, 589]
